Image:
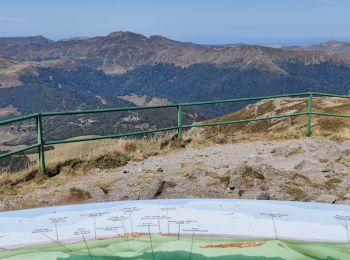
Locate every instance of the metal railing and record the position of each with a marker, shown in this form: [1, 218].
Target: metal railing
[41, 143]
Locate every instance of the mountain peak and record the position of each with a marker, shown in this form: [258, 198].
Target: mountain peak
[125, 34]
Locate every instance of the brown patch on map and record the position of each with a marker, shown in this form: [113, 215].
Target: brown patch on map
[281, 245]
[238, 245]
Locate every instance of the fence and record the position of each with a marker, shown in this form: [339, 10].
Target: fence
[40, 145]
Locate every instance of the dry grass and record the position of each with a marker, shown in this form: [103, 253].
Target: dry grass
[332, 183]
[344, 160]
[68, 160]
[337, 129]
[294, 190]
[300, 179]
[296, 151]
[9, 180]
[249, 176]
[77, 195]
[219, 179]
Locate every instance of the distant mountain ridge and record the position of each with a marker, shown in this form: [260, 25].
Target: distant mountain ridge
[119, 52]
[94, 72]
[25, 40]
[331, 46]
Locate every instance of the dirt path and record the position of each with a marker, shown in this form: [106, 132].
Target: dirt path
[305, 169]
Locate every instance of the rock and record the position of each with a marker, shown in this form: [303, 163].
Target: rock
[257, 159]
[159, 169]
[235, 176]
[263, 196]
[267, 170]
[346, 153]
[153, 190]
[195, 131]
[315, 144]
[346, 196]
[347, 202]
[327, 198]
[331, 153]
[125, 171]
[287, 150]
[198, 171]
[304, 165]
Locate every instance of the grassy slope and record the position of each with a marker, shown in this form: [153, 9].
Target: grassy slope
[285, 128]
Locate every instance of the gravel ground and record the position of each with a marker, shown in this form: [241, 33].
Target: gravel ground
[307, 169]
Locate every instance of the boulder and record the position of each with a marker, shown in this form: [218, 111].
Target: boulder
[304, 165]
[153, 190]
[327, 198]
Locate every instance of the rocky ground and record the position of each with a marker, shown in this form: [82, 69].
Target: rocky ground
[307, 169]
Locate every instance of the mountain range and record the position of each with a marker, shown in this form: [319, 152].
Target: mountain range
[125, 68]
[119, 52]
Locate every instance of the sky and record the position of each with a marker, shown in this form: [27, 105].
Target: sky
[285, 22]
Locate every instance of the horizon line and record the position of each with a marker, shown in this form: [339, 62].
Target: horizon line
[264, 41]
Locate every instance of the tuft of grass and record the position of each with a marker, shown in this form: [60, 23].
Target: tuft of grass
[7, 189]
[324, 160]
[213, 182]
[218, 179]
[331, 184]
[331, 125]
[110, 161]
[225, 178]
[221, 138]
[104, 186]
[55, 169]
[294, 191]
[304, 179]
[188, 176]
[76, 195]
[344, 160]
[174, 142]
[249, 175]
[170, 184]
[12, 179]
[296, 151]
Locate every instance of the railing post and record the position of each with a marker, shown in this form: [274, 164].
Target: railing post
[309, 114]
[179, 122]
[40, 140]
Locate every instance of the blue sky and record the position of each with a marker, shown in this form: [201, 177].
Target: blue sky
[202, 21]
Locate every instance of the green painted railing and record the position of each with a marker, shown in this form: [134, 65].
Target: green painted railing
[40, 145]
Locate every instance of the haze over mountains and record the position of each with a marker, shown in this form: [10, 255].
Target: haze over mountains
[37, 74]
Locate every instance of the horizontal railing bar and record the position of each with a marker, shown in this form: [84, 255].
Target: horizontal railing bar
[17, 119]
[19, 150]
[110, 136]
[112, 109]
[329, 95]
[330, 114]
[115, 109]
[244, 120]
[242, 99]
